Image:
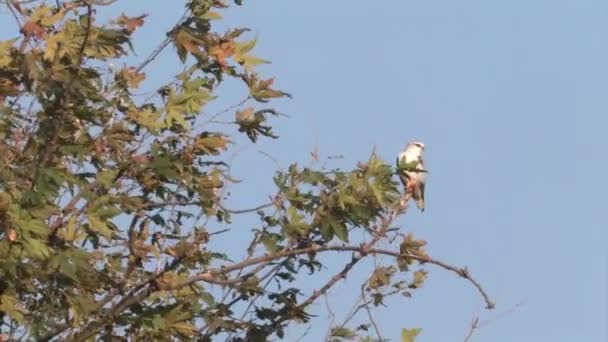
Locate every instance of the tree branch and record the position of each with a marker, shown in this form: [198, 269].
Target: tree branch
[369, 313]
[474, 326]
[87, 32]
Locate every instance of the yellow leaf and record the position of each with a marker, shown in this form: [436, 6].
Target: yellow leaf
[245, 115]
[212, 16]
[40, 12]
[409, 335]
[49, 21]
[5, 52]
[52, 45]
[250, 62]
[147, 118]
[132, 77]
[211, 143]
[71, 232]
[244, 47]
[184, 328]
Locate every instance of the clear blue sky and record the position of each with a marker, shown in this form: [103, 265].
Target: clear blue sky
[510, 98]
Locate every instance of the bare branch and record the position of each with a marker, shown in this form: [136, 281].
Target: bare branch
[87, 31]
[474, 326]
[162, 45]
[369, 313]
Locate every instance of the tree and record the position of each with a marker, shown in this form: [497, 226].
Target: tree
[109, 203]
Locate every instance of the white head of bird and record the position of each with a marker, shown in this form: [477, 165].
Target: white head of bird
[413, 150]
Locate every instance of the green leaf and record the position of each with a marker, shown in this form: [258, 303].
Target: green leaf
[327, 231]
[71, 233]
[271, 241]
[11, 306]
[163, 167]
[409, 335]
[106, 178]
[343, 333]
[339, 228]
[36, 248]
[99, 226]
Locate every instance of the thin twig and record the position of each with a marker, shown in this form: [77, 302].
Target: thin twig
[231, 211]
[474, 326]
[162, 45]
[225, 110]
[369, 314]
[87, 32]
[331, 316]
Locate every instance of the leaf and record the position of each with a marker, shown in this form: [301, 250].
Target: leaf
[339, 228]
[211, 15]
[343, 333]
[245, 116]
[211, 143]
[380, 278]
[221, 52]
[37, 248]
[71, 232]
[11, 306]
[207, 298]
[53, 19]
[32, 29]
[184, 43]
[244, 47]
[250, 62]
[132, 77]
[164, 167]
[40, 12]
[146, 117]
[261, 91]
[409, 335]
[270, 241]
[186, 103]
[242, 57]
[5, 52]
[130, 24]
[419, 278]
[99, 226]
[184, 328]
[106, 177]
[68, 268]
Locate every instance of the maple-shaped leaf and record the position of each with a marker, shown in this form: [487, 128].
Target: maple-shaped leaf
[130, 24]
[6, 47]
[409, 335]
[242, 57]
[33, 29]
[211, 143]
[221, 52]
[132, 76]
[261, 90]
[184, 42]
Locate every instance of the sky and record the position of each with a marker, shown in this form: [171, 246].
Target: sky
[509, 98]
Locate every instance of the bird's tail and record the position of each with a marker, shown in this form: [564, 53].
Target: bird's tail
[420, 204]
[418, 196]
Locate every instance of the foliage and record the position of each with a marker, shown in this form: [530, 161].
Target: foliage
[108, 200]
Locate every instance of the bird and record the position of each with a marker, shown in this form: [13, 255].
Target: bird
[410, 167]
